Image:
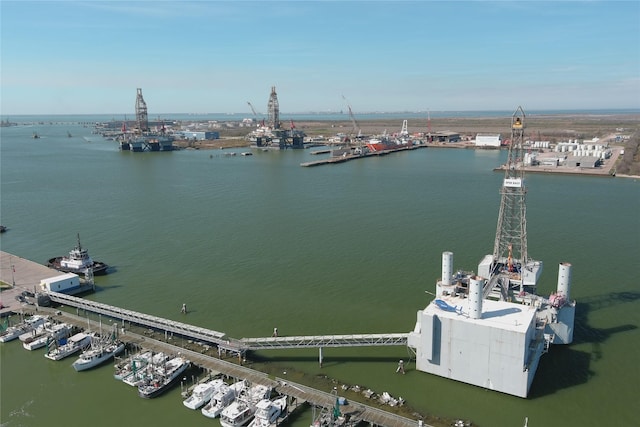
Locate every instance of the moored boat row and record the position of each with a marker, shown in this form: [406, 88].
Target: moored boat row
[24, 327]
[50, 333]
[242, 410]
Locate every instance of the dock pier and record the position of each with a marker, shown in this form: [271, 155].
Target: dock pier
[204, 348]
[348, 157]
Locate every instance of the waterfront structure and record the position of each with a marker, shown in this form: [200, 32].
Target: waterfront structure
[142, 118]
[488, 140]
[273, 109]
[490, 329]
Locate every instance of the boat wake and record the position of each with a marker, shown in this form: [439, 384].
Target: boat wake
[18, 413]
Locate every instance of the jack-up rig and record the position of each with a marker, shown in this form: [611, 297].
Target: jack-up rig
[142, 139]
[272, 135]
[490, 329]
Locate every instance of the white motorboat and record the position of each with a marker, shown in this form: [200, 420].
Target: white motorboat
[202, 394]
[75, 343]
[28, 325]
[52, 333]
[162, 377]
[98, 353]
[268, 411]
[223, 398]
[242, 410]
[237, 414]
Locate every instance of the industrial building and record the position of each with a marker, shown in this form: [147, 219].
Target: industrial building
[488, 140]
[200, 135]
[445, 136]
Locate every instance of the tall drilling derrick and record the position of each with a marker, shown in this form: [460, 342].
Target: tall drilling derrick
[510, 257]
[274, 110]
[142, 120]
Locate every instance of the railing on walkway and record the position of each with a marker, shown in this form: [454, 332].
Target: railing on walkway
[147, 320]
[359, 340]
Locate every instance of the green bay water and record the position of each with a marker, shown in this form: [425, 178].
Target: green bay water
[250, 243]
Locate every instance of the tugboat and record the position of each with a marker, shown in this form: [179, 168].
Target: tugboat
[78, 262]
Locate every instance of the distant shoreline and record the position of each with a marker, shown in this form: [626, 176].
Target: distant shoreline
[324, 116]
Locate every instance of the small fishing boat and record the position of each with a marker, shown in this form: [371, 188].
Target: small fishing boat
[163, 377]
[52, 332]
[133, 364]
[65, 348]
[141, 375]
[100, 351]
[27, 326]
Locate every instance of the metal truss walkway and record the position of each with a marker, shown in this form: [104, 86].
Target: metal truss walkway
[318, 341]
[221, 340]
[147, 320]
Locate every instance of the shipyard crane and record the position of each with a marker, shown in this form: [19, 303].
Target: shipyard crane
[356, 131]
[253, 110]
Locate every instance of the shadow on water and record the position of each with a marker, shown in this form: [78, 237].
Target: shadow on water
[569, 367]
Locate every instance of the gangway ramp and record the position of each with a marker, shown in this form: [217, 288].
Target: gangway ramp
[319, 341]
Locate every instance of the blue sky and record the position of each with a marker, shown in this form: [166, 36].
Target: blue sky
[72, 57]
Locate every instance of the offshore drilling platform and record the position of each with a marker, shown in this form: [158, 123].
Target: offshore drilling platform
[142, 138]
[490, 329]
[271, 135]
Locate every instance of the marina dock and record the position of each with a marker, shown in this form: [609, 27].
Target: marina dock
[203, 347]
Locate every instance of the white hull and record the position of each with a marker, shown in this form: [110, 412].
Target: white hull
[34, 333]
[132, 365]
[238, 414]
[163, 377]
[144, 374]
[202, 394]
[243, 409]
[268, 412]
[75, 344]
[97, 355]
[223, 398]
[29, 325]
[51, 334]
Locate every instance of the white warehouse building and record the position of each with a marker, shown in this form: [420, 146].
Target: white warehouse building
[488, 140]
